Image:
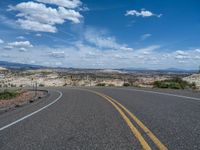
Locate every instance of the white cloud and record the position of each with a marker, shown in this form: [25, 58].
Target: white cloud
[1, 41]
[63, 3]
[36, 26]
[84, 8]
[149, 48]
[145, 36]
[38, 17]
[180, 57]
[102, 40]
[145, 53]
[38, 35]
[126, 48]
[19, 44]
[85, 55]
[197, 50]
[37, 12]
[22, 49]
[181, 61]
[57, 54]
[179, 54]
[70, 14]
[142, 13]
[21, 37]
[8, 47]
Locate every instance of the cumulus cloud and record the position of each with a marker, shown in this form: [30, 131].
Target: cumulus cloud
[102, 40]
[21, 46]
[63, 3]
[36, 26]
[69, 14]
[179, 54]
[39, 17]
[25, 44]
[142, 13]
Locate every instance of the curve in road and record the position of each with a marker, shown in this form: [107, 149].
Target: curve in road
[134, 130]
[31, 114]
[83, 119]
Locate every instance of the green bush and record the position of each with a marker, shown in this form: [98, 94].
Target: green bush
[8, 94]
[175, 83]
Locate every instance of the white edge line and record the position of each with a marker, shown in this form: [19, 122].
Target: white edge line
[31, 114]
[167, 94]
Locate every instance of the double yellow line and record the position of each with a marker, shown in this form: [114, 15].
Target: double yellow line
[123, 111]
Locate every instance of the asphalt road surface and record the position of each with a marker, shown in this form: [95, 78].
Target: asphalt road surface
[105, 119]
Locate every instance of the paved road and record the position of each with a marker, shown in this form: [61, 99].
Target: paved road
[105, 118]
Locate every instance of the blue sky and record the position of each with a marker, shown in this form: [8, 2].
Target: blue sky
[149, 34]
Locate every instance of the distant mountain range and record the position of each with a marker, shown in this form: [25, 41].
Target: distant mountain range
[175, 70]
[178, 70]
[13, 65]
[21, 66]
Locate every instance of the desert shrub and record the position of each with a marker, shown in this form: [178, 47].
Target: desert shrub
[41, 85]
[175, 83]
[65, 84]
[160, 84]
[8, 94]
[101, 84]
[13, 85]
[111, 85]
[126, 84]
[193, 85]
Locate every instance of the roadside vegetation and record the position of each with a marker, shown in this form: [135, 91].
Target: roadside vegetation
[126, 84]
[8, 94]
[101, 84]
[175, 83]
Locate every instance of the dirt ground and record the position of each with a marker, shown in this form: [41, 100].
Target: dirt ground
[22, 98]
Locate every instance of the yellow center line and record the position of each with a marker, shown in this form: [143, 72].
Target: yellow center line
[134, 130]
[156, 141]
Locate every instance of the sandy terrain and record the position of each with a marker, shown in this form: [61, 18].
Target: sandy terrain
[193, 78]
